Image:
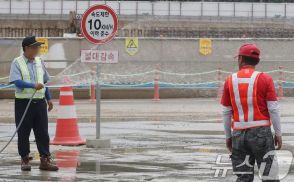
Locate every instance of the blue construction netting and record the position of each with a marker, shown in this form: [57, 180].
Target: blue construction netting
[144, 85]
[212, 85]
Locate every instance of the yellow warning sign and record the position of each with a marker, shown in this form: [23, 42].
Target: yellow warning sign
[205, 46]
[45, 46]
[132, 45]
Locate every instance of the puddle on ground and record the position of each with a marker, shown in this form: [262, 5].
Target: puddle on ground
[141, 151]
[133, 164]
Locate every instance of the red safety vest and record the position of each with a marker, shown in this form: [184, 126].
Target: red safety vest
[246, 113]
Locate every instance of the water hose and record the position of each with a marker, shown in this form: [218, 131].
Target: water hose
[21, 121]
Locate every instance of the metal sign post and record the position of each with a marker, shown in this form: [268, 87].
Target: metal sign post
[99, 25]
[98, 101]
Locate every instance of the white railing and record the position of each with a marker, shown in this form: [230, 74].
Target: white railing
[163, 8]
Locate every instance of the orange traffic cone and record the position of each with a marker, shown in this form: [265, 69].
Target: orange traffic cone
[67, 130]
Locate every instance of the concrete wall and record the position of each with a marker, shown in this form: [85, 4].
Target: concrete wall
[178, 55]
[173, 55]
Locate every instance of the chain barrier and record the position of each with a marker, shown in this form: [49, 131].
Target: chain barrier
[159, 71]
[208, 83]
[186, 74]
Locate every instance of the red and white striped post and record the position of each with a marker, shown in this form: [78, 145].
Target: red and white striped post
[220, 85]
[92, 93]
[281, 80]
[156, 85]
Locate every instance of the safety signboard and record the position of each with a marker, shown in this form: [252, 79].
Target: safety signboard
[99, 24]
[131, 45]
[205, 46]
[44, 47]
[99, 56]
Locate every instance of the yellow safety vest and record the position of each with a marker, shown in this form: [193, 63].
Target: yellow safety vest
[27, 93]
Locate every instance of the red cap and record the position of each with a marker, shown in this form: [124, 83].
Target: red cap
[250, 50]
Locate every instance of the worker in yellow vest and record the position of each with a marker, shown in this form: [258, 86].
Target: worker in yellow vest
[28, 73]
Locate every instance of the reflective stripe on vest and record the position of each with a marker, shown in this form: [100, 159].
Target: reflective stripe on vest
[28, 92]
[250, 122]
[244, 125]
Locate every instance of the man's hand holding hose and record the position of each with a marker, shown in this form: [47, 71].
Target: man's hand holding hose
[39, 86]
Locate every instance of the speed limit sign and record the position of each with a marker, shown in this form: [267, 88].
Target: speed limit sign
[99, 24]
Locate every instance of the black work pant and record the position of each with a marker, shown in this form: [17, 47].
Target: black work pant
[250, 145]
[36, 119]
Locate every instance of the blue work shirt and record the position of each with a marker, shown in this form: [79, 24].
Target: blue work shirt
[15, 73]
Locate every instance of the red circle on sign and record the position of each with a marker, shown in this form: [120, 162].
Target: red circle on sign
[83, 24]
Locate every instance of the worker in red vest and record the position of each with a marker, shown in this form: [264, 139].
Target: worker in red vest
[250, 108]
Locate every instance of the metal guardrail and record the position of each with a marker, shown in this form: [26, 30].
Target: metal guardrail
[151, 8]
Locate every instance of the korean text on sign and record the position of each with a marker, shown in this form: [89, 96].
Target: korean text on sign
[100, 23]
[99, 56]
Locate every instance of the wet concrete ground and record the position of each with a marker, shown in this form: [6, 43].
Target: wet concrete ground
[181, 149]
